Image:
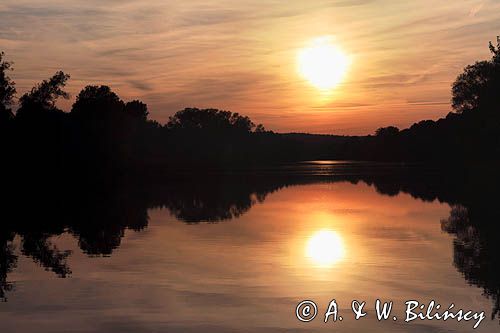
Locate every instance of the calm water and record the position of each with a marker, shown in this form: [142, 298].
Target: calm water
[238, 256]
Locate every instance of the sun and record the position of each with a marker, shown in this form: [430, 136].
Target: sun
[322, 63]
[325, 248]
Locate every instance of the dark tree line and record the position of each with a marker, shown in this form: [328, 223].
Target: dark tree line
[102, 133]
[471, 133]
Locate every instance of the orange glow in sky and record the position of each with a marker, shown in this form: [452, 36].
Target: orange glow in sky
[383, 63]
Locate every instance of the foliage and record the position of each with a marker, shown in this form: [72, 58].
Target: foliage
[7, 89]
[389, 131]
[137, 109]
[211, 120]
[477, 89]
[96, 101]
[44, 95]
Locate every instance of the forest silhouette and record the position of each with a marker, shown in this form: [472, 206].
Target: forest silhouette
[95, 171]
[104, 134]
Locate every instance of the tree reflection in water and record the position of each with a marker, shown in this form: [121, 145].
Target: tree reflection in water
[97, 214]
[476, 250]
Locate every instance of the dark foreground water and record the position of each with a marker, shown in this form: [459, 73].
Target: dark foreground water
[238, 254]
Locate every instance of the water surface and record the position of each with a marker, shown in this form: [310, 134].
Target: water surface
[238, 256]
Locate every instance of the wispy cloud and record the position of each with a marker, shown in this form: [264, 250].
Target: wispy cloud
[240, 55]
[476, 9]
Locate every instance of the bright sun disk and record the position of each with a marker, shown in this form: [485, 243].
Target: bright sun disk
[323, 64]
[325, 248]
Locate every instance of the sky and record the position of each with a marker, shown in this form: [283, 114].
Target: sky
[242, 55]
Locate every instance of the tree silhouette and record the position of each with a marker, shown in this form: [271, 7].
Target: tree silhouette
[476, 249]
[98, 102]
[8, 261]
[7, 90]
[46, 254]
[42, 98]
[137, 109]
[390, 131]
[477, 88]
[210, 120]
[40, 126]
[108, 133]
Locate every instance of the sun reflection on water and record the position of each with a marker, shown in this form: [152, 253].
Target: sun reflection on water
[325, 248]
